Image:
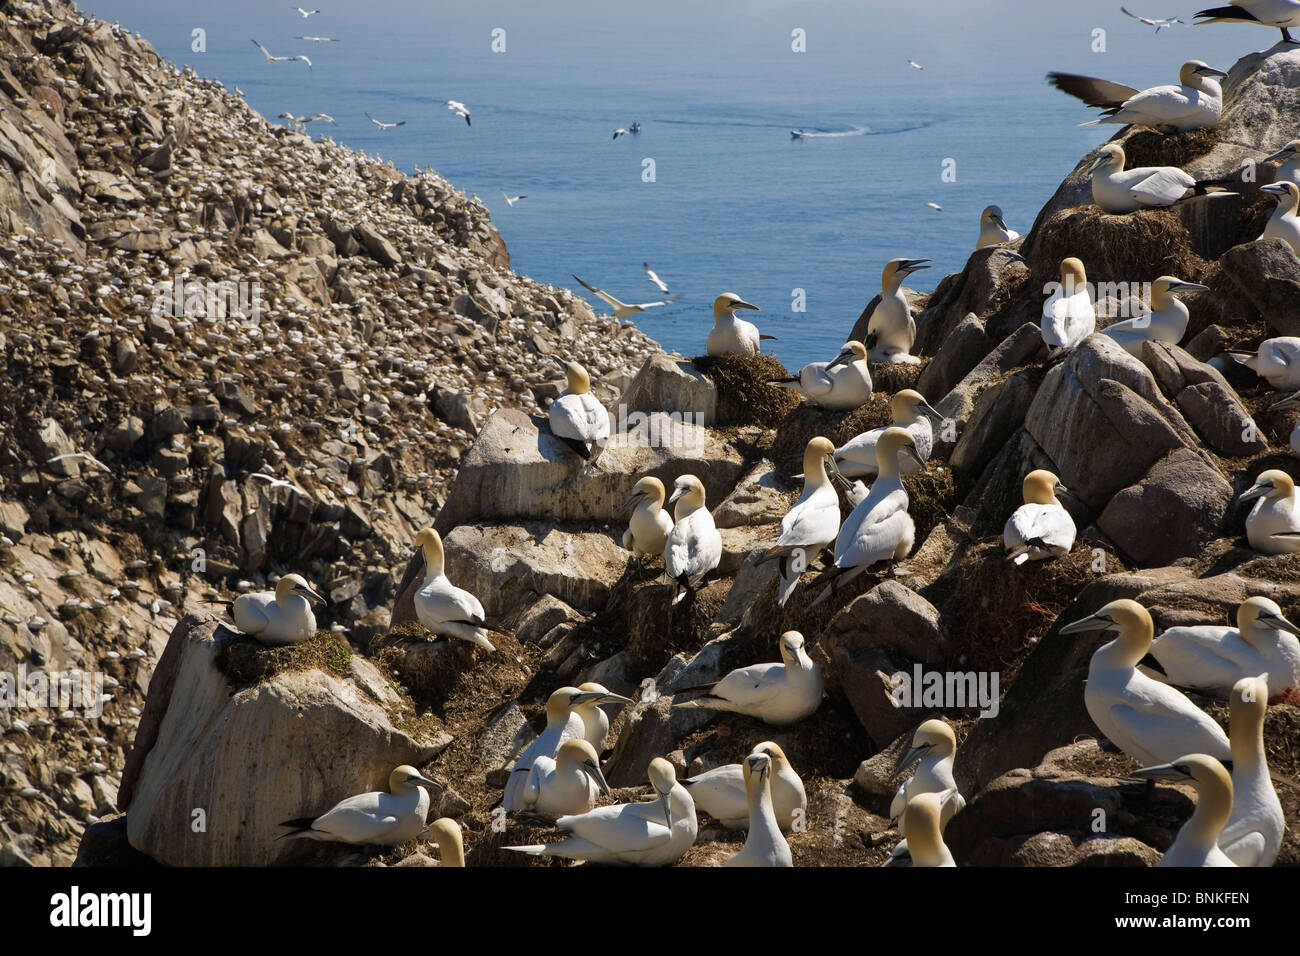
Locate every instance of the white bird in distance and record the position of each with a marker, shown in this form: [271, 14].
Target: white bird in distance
[271, 58]
[460, 109]
[511, 200]
[660, 283]
[384, 126]
[1156, 22]
[305, 13]
[623, 309]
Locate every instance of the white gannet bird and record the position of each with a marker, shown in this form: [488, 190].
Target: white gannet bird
[694, 546]
[914, 65]
[764, 843]
[1253, 834]
[511, 200]
[277, 59]
[318, 39]
[1068, 314]
[1117, 190]
[562, 723]
[1214, 657]
[841, 384]
[1196, 103]
[778, 694]
[595, 722]
[730, 335]
[442, 607]
[577, 417]
[935, 206]
[319, 116]
[933, 748]
[922, 819]
[282, 616]
[1158, 22]
[1275, 517]
[623, 309]
[1282, 14]
[1284, 224]
[304, 13]
[650, 524]
[1150, 721]
[384, 126]
[634, 834]
[993, 228]
[569, 782]
[382, 819]
[619, 132]
[811, 524]
[1197, 843]
[721, 792]
[460, 109]
[891, 330]
[1277, 360]
[856, 458]
[1040, 528]
[451, 842]
[1287, 160]
[659, 283]
[879, 527]
[1166, 322]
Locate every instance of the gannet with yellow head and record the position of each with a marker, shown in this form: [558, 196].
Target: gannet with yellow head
[1214, 657]
[562, 723]
[1253, 834]
[922, 820]
[934, 746]
[577, 417]
[595, 722]
[282, 616]
[451, 842]
[649, 526]
[856, 458]
[1197, 842]
[1068, 314]
[1277, 360]
[383, 819]
[1040, 528]
[1282, 14]
[721, 792]
[1166, 322]
[891, 330]
[1117, 190]
[694, 546]
[1284, 224]
[1195, 103]
[811, 524]
[730, 335]
[993, 228]
[442, 607]
[1273, 522]
[778, 694]
[1287, 160]
[841, 384]
[764, 843]
[569, 782]
[1151, 722]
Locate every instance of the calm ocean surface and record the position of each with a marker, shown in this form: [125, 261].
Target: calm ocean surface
[737, 204]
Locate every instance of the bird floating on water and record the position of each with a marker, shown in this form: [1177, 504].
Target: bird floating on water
[730, 335]
[1197, 842]
[1166, 322]
[442, 607]
[270, 58]
[765, 845]
[721, 793]
[841, 384]
[993, 228]
[577, 417]
[1040, 528]
[891, 330]
[623, 309]
[777, 693]
[1196, 103]
[282, 616]
[694, 546]
[382, 819]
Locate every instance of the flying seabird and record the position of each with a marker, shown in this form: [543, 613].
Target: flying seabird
[305, 13]
[1196, 103]
[460, 109]
[318, 39]
[276, 59]
[511, 200]
[658, 282]
[623, 309]
[1158, 23]
[935, 206]
[619, 132]
[384, 126]
[914, 65]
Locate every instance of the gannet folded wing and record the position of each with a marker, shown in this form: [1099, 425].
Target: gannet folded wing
[1163, 186]
[1157, 720]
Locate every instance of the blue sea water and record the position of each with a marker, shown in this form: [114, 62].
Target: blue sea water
[736, 204]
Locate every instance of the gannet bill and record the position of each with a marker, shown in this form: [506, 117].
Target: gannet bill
[841, 384]
[277, 59]
[933, 747]
[442, 607]
[764, 843]
[562, 723]
[654, 278]
[382, 819]
[623, 309]
[1117, 190]
[304, 13]
[511, 200]
[384, 126]
[914, 65]
[1284, 223]
[1068, 314]
[694, 546]
[451, 842]
[1150, 721]
[811, 524]
[1196, 103]
[879, 527]
[778, 694]
[1197, 842]
[856, 458]
[1214, 658]
[595, 722]
[460, 109]
[1287, 160]
[922, 819]
[1167, 321]
[634, 834]
[1276, 359]
[730, 335]
[891, 330]
[1158, 23]
[318, 39]
[569, 782]
[721, 794]
[1253, 834]
[1040, 528]
[577, 418]
[1282, 14]
[993, 228]
[1275, 517]
[619, 132]
[282, 616]
[649, 526]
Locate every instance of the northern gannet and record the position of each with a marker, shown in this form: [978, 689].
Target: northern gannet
[720, 792]
[879, 527]
[636, 834]
[595, 722]
[1276, 359]
[1275, 517]
[1211, 657]
[1167, 321]
[451, 842]
[384, 819]
[282, 616]
[1117, 190]
[856, 458]
[1040, 528]
[577, 417]
[914, 65]
[442, 607]
[764, 843]
[811, 524]
[623, 309]
[649, 526]
[569, 782]
[659, 283]
[619, 132]
[1282, 14]
[1196, 103]
[1288, 163]
[922, 819]
[1068, 314]
[730, 335]
[933, 747]
[993, 228]
[891, 330]
[562, 723]
[511, 200]
[1197, 842]
[778, 694]
[384, 126]
[278, 59]
[1150, 721]
[304, 13]
[1284, 224]
[694, 546]
[460, 109]
[1158, 22]
[1253, 834]
[318, 39]
[841, 384]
